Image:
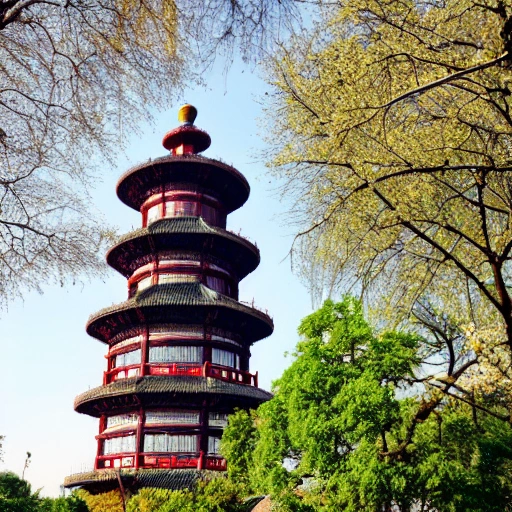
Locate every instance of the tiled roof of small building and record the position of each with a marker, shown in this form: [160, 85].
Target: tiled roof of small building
[185, 233]
[159, 390]
[180, 303]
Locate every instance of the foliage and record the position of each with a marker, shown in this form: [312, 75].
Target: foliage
[110, 501]
[69, 504]
[150, 500]
[75, 78]
[16, 496]
[215, 495]
[350, 429]
[393, 134]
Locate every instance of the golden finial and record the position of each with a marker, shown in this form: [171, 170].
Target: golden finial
[187, 114]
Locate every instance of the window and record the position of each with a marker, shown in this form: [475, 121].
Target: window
[177, 278]
[210, 214]
[169, 443]
[144, 283]
[214, 445]
[176, 354]
[216, 283]
[123, 444]
[120, 420]
[153, 214]
[218, 419]
[128, 358]
[175, 417]
[223, 357]
[180, 208]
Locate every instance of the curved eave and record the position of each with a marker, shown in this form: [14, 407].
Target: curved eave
[231, 186]
[137, 478]
[181, 303]
[183, 233]
[165, 391]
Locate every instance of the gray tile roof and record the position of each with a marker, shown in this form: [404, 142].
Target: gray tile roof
[138, 478]
[180, 303]
[183, 233]
[162, 390]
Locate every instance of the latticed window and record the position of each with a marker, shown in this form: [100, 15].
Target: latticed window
[175, 417]
[212, 215]
[153, 214]
[176, 354]
[120, 420]
[177, 278]
[128, 358]
[218, 419]
[170, 443]
[225, 358]
[214, 445]
[218, 284]
[144, 283]
[123, 444]
[180, 208]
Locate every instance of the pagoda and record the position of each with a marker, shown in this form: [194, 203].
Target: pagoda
[179, 346]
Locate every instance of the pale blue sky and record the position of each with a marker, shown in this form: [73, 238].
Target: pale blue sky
[47, 358]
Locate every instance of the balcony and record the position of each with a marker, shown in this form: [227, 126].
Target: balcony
[207, 369]
[161, 461]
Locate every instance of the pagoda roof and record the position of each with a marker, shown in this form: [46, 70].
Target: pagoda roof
[174, 479]
[180, 303]
[152, 391]
[183, 233]
[139, 182]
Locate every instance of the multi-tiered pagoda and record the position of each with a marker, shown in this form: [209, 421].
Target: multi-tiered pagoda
[179, 346]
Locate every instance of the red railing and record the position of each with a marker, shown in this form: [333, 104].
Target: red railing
[191, 369]
[163, 461]
[230, 374]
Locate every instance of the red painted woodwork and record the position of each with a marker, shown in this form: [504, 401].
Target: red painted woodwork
[185, 433]
[207, 369]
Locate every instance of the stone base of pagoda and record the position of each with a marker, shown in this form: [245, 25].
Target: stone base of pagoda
[104, 480]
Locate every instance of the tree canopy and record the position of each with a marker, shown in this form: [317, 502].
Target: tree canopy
[347, 429]
[393, 134]
[16, 496]
[75, 77]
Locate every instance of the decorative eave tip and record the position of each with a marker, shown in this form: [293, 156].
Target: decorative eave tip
[186, 139]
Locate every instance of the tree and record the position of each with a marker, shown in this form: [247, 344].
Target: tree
[111, 500]
[393, 133]
[215, 495]
[16, 496]
[75, 77]
[69, 504]
[348, 430]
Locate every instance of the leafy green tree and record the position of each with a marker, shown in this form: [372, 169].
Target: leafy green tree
[350, 429]
[151, 500]
[393, 133]
[110, 501]
[68, 504]
[16, 494]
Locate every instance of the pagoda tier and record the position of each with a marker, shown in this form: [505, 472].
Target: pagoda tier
[172, 244]
[169, 176]
[179, 346]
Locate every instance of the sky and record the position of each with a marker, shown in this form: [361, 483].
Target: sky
[47, 358]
